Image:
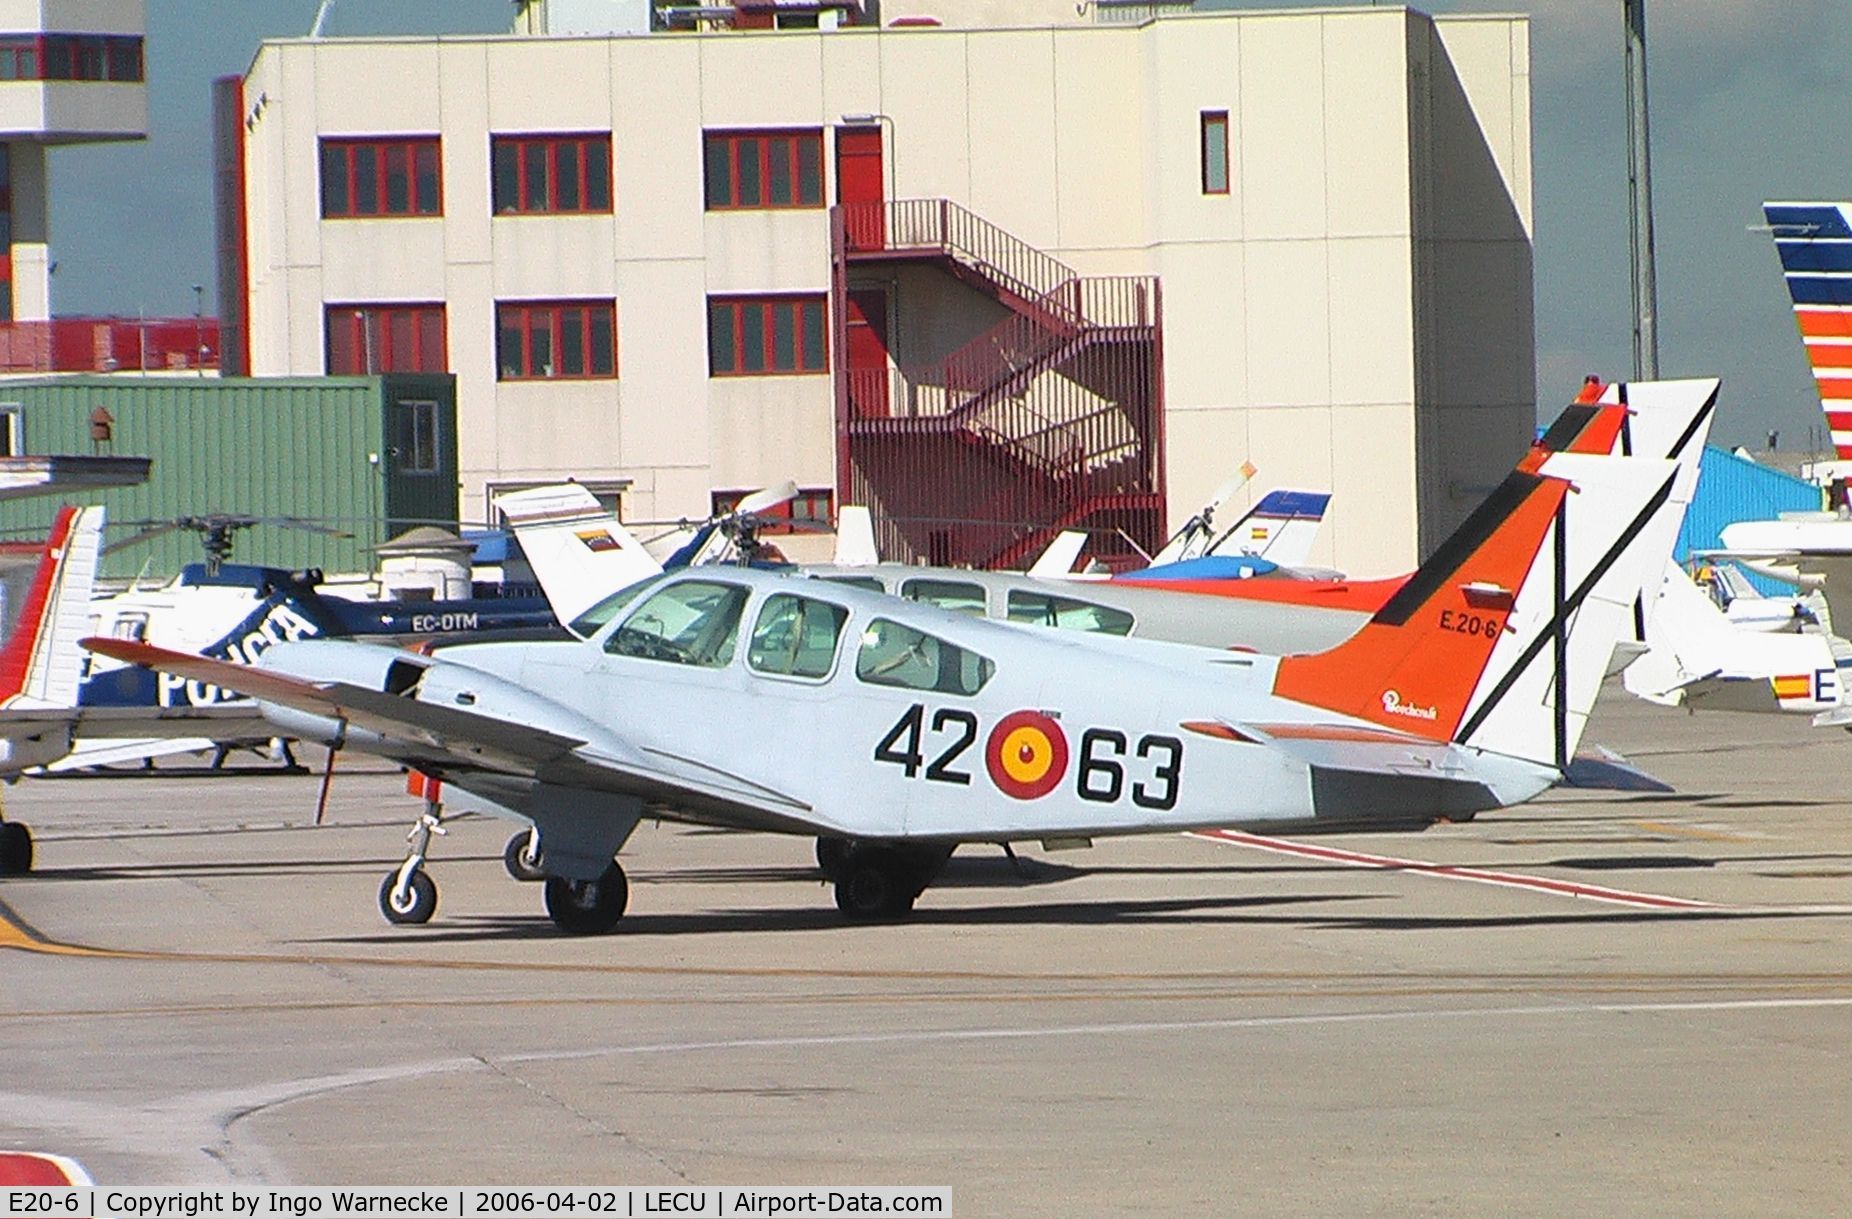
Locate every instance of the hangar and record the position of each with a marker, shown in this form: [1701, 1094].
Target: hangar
[1010, 263]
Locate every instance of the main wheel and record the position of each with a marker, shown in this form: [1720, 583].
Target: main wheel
[875, 886]
[588, 907]
[833, 855]
[15, 849]
[519, 863]
[419, 903]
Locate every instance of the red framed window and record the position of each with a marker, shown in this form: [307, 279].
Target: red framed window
[813, 506]
[397, 176]
[1215, 152]
[550, 174]
[98, 57]
[555, 340]
[750, 336]
[370, 338]
[763, 169]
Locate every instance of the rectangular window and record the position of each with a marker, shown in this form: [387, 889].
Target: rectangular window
[88, 57]
[752, 335]
[1215, 152]
[763, 169]
[555, 340]
[12, 444]
[374, 338]
[811, 511]
[380, 177]
[417, 450]
[550, 174]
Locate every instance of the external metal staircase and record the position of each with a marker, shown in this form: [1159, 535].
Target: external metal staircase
[1050, 419]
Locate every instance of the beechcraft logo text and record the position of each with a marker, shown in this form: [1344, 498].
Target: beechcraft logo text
[1393, 704]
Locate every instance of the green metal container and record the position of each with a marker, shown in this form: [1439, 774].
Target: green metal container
[369, 456]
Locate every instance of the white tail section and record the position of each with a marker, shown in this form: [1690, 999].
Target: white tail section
[1670, 419]
[1057, 562]
[1576, 602]
[1695, 650]
[41, 662]
[578, 550]
[855, 537]
[1280, 528]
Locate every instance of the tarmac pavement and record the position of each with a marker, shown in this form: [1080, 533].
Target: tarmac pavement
[196, 986]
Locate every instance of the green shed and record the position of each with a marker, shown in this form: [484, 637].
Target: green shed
[369, 456]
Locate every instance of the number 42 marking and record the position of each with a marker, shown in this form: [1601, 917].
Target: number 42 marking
[901, 745]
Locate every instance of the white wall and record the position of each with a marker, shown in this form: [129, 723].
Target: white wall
[1312, 314]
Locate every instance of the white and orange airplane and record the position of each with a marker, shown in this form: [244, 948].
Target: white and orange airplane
[893, 730]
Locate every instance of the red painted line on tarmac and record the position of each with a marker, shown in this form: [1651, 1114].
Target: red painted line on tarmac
[1513, 880]
[37, 1168]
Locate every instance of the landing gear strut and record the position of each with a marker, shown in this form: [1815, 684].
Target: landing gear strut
[15, 849]
[879, 881]
[407, 895]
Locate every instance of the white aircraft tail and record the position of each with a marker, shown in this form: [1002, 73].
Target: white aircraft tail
[1500, 640]
[1280, 528]
[855, 537]
[41, 662]
[1057, 562]
[579, 551]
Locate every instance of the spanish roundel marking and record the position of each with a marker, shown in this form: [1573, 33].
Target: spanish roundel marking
[1026, 755]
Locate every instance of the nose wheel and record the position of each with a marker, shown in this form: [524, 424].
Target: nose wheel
[522, 856]
[411, 900]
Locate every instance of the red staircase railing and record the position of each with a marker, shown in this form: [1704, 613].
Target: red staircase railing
[1051, 415]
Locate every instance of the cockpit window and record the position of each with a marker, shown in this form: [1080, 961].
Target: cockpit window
[893, 654]
[954, 595]
[691, 622]
[593, 620]
[871, 583]
[796, 637]
[1068, 614]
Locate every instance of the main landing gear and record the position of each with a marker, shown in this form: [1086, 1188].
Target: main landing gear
[588, 907]
[879, 880]
[15, 849]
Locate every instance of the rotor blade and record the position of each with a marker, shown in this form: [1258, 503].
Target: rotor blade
[770, 497]
[143, 536]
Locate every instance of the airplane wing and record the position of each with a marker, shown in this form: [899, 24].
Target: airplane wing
[232, 722]
[447, 742]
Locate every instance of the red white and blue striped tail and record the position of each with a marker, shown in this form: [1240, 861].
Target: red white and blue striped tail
[1815, 244]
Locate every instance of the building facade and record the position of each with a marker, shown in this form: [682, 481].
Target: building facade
[351, 461]
[1055, 274]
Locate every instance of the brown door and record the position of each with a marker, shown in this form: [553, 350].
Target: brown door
[867, 350]
[861, 186]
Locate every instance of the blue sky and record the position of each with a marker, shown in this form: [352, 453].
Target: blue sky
[1749, 102]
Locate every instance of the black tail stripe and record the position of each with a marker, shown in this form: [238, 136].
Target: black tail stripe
[1710, 404]
[1570, 424]
[1468, 538]
[1568, 607]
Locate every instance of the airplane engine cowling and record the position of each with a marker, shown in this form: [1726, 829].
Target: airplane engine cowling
[42, 748]
[367, 665]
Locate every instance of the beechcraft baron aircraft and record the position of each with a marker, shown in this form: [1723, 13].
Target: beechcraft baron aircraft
[899, 730]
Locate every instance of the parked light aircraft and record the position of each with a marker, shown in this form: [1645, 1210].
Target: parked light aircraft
[580, 553]
[1699, 658]
[903, 729]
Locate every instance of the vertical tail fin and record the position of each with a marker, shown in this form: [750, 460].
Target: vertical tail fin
[578, 550]
[1280, 528]
[1814, 241]
[855, 537]
[41, 661]
[1500, 640]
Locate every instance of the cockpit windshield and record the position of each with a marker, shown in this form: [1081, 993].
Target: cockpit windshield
[596, 618]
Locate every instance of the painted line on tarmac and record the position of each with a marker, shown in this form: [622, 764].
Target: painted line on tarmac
[1681, 831]
[1483, 876]
[1145, 1027]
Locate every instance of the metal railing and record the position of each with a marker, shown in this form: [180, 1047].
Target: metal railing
[109, 344]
